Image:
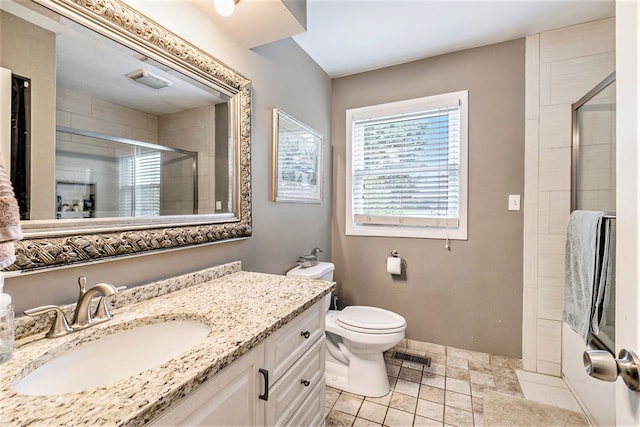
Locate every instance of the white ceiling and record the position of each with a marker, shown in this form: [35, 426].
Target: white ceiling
[351, 36]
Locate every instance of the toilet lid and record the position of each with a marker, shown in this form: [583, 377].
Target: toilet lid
[366, 319]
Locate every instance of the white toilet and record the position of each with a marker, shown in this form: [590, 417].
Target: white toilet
[356, 338]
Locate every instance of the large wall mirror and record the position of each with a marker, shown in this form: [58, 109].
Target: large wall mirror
[122, 137]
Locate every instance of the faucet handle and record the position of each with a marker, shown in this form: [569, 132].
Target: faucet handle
[82, 283]
[59, 327]
[102, 309]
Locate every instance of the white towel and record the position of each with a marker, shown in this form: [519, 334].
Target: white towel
[581, 261]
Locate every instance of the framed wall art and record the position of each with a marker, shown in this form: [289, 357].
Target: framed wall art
[297, 160]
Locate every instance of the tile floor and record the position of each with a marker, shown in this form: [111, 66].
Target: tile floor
[447, 393]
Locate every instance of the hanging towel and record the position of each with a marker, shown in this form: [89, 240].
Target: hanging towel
[605, 275]
[10, 230]
[581, 261]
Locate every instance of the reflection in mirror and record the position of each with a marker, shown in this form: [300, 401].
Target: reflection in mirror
[118, 124]
[123, 97]
[594, 176]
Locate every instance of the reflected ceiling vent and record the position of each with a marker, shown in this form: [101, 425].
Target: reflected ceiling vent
[149, 79]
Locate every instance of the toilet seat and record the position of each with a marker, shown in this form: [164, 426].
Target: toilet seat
[370, 320]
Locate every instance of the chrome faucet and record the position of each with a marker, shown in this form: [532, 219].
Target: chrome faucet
[82, 317]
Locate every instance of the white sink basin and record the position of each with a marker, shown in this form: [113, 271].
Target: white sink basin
[113, 358]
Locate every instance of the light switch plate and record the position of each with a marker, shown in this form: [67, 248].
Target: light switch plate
[514, 202]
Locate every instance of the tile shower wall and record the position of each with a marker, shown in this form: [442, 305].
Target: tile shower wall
[561, 66]
[195, 126]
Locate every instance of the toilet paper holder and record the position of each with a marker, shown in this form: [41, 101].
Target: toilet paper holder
[395, 254]
[395, 264]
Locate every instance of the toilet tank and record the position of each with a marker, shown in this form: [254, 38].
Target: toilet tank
[321, 271]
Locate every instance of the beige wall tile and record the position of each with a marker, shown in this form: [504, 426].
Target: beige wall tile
[573, 78]
[115, 113]
[545, 84]
[578, 40]
[530, 329]
[531, 147]
[145, 135]
[73, 102]
[549, 341]
[531, 244]
[554, 211]
[555, 126]
[559, 210]
[549, 368]
[543, 212]
[550, 298]
[63, 118]
[97, 125]
[551, 255]
[532, 71]
[555, 169]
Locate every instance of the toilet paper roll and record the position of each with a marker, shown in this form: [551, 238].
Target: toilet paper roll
[394, 265]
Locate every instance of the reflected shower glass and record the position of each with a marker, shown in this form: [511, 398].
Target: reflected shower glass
[98, 176]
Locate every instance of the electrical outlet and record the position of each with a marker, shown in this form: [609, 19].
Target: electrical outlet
[514, 202]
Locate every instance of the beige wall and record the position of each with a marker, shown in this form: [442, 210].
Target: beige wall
[562, 65]
[16, 37]
[283, 76]
[469, 297]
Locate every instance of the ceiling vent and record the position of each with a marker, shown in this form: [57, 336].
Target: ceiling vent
[149, 79]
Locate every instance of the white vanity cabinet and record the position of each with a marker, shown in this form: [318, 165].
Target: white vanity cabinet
[279, 382]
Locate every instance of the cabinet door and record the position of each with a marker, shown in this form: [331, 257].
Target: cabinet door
[229, 399]
[287, 345]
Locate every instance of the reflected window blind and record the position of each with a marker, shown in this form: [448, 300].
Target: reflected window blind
[297, 164]
[406, 168]
[140, 184]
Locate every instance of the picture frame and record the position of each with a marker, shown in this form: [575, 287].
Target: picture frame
[297, 160]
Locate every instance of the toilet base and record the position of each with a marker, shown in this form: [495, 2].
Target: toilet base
[365, 375]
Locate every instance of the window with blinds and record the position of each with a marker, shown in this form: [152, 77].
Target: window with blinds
[140, 183]
[407, 168]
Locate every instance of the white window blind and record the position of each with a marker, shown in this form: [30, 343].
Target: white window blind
[140, 184]
[408, 165]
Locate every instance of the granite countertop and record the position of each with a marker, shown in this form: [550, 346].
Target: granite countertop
[242, 309]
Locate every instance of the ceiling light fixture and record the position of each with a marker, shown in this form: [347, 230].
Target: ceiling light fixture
[225, 7]
[149, 79]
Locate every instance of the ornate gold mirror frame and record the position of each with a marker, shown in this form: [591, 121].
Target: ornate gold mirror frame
[49, 247]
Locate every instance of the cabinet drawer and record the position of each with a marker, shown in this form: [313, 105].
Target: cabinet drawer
[311, 412]
[287, 345]
[288, 394]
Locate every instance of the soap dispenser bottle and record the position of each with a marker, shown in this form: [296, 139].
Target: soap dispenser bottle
[6, 323]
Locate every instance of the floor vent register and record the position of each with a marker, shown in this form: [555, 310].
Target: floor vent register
[412, 358]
